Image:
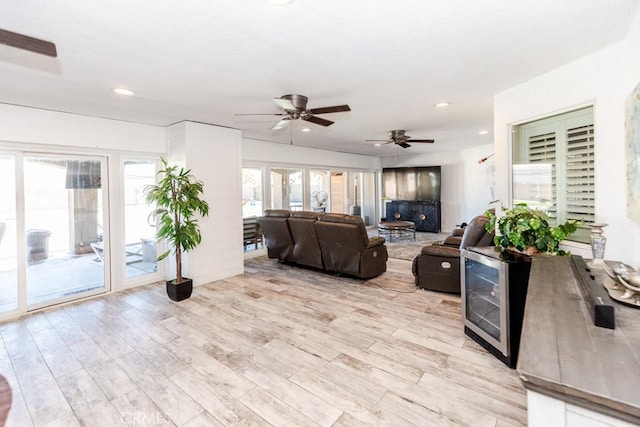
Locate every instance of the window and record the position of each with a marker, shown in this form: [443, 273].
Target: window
[553, 168]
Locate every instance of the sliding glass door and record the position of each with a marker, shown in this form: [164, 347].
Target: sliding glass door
[8, 227]
[65, 246]
[52, 245]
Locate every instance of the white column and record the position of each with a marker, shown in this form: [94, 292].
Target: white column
[214, 155]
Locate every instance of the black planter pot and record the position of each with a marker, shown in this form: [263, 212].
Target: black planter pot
[181, 290]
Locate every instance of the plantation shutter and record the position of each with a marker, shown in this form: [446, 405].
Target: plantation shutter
[542, 149]
[580, 174]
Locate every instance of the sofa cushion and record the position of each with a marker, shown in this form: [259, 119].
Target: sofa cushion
[281, 213]
[332, 217]
[304, 214]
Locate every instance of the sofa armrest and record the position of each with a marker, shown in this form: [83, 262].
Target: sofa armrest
[453, 241]
[375, 241]
[441, 251]
[458, 232]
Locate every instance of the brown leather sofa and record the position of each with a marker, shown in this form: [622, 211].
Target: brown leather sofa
[437, 268]
[336, 243]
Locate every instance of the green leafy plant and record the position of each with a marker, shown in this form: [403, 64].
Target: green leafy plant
[177, 198]
[528, 230]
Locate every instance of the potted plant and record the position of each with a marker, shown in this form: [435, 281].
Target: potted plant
[527, 230]
[177, 200]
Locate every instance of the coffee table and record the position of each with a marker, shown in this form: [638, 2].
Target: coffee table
[399, 229]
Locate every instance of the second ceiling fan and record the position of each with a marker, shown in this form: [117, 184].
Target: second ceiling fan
[400, 138]
[295, 107]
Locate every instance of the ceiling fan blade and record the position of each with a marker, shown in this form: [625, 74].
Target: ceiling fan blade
[285, 104]
[28, 43]
[428, 141]
[325, 110]
[378, 140]
[282, 123]
[403, 144]
[261, 114]
[317, 120]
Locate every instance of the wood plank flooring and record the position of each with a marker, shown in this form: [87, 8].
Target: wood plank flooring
[278, 345]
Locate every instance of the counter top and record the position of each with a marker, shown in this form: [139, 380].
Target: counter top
[565, 356]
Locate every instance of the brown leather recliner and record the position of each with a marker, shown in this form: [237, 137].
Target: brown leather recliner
[306, 248]
[277, 237]
[346, 247]
[437, 268]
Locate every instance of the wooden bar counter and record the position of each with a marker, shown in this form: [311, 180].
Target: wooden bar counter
[576, 373]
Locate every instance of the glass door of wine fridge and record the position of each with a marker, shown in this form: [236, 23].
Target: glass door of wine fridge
[484, 297]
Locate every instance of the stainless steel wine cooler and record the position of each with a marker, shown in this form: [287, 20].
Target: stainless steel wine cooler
[494, 290]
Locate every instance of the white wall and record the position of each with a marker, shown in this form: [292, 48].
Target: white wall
[45, 127]
[465, 183]
[214, 155]
[605, 79]
[264, 151]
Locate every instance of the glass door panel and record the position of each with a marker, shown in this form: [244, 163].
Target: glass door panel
[141, 255]
[252, 192]
[319, 187]
[65, 247]
[338, 192]
[286, 189]
[354, 193]
[8, 247]
[368, 192]
[482, 297]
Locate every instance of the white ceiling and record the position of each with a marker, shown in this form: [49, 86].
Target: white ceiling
[391, 61]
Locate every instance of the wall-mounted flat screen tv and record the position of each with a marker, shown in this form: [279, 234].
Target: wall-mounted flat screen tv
[417, 183]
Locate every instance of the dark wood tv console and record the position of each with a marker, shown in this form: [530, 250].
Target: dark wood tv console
[425, 215]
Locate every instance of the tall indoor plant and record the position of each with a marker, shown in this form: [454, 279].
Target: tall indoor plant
[177, 199]
[527, 230]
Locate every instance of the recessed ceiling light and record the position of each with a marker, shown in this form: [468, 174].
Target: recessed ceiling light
[377, 144]
[483, 132]
[305, 130]
[123, 91]
[442, 104]
[280, 2]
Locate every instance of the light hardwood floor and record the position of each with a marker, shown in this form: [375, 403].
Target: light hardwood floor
[278, 345]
